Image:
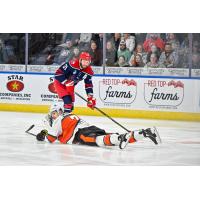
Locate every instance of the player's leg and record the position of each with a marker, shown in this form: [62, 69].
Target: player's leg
[114, 139]
[66, 95]
[95, 136]
[87, 134]
[68, 104]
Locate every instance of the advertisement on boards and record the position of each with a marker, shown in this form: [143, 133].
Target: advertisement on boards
[163, 93]
[117, 92]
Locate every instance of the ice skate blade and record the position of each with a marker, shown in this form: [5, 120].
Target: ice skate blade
[157, 134]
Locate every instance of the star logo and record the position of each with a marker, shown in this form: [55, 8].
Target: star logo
[15, 86]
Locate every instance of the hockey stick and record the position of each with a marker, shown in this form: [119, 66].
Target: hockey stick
[28, 130]
[102, 112]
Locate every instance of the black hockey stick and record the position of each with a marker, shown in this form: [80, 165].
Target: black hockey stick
[28, 130]
[102, 112]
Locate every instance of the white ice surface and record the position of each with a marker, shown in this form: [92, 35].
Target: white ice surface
[181, 144]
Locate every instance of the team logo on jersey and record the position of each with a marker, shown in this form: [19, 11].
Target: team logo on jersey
[118, 91]
[15, 83]
[163, 93]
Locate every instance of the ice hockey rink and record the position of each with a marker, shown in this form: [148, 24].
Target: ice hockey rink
[180, 144]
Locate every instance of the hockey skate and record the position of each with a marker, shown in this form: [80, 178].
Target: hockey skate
[152, 134]
[124, 139]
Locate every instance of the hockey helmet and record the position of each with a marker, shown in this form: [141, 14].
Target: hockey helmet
[85, 56]
[56, 106]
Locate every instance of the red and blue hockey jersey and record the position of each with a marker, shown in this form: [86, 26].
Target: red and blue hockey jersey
[71, 71]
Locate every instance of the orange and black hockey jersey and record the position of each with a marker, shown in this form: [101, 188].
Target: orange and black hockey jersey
[67, 131]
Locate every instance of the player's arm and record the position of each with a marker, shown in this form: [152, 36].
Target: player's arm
[63, 72]
[89, 91]
[51, 134]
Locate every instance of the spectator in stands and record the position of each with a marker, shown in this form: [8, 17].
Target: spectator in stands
[155, 50]
[65, 54]
[98, 39]
[137, 61]
[121, 62]
[50, 59]
[183, 51]
[9, 56]
[195, 61]
[110, 54]
[74, 37]
[148, 35]
[169, 58]
[196, 47]
[140, 38]
[44, 57]
[130, 41]
[139, 50]
[183, 59]
[153, 62]
[123, 51]
[96, 54]
[110, 37]
[171, 38]
[84, 42]
[76, 53]
[117, 39]
[153, 40]
[184, 41]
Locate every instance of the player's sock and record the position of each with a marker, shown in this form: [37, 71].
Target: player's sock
[68, 105]
[108, 140]
[67, 109]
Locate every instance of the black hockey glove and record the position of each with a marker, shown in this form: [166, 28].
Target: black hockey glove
[41, 136]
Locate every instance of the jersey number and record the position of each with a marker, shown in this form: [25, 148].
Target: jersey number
[65, 67]
[74, 117]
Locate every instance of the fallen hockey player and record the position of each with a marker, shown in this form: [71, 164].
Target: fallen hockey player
[70, 129]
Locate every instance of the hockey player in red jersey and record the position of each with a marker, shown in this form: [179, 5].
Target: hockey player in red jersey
[70, 129]
[68, 76]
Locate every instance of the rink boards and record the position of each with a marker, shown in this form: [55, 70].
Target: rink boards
[118, 96]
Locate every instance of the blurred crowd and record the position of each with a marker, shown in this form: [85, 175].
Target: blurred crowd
[155, 50]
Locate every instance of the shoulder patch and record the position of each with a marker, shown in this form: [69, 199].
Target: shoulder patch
[74, 64]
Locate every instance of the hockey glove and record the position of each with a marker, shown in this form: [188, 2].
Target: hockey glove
[91, 102]
[41, 136]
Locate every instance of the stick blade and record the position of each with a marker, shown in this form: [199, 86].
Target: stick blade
[29, 128]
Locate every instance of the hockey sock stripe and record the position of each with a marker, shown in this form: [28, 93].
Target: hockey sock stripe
[87, 139]
[68, 108]
[107, 141]
[132, 139]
